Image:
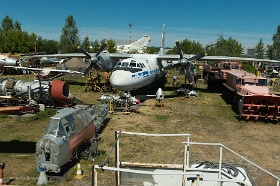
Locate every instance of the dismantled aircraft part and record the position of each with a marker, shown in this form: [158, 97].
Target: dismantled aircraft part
[187, 91]
[72, 132]
[159, 94]
[123, 100]
[55, 93]
[182, 91]
[23, 108]
[60, 93]
[7, 61]
[192, 93]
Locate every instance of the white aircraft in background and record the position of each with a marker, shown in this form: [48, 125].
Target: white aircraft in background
[138, 46]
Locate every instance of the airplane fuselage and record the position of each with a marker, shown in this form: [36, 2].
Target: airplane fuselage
[136, 72]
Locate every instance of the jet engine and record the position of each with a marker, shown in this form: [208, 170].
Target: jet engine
[54, 92]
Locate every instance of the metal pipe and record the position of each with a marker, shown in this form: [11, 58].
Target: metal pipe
[117, 149]
[220, 164]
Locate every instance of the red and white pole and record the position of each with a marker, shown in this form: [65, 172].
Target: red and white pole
[2, 166]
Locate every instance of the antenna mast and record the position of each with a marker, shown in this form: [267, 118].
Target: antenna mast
[130, 25]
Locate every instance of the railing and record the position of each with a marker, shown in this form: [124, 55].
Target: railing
[187, 170]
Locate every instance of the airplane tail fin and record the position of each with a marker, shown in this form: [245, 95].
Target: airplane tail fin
[161, 52]
[142, 42]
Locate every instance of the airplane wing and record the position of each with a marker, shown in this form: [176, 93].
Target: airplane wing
[67, 55]
[176, 61]
[168, 57]
[46, 70]
[24, 68]
[244, 59]
[65, 71]
[81, 55]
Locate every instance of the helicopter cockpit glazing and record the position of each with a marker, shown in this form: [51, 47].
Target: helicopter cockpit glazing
[68, 125]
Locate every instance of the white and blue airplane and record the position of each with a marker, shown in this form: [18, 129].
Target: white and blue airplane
[134, 71]
[129, 71]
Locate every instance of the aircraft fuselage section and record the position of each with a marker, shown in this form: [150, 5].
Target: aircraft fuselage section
[8, 62]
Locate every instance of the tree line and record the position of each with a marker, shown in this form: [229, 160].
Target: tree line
[14, 40]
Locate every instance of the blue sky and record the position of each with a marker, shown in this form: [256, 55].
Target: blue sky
[247, 21]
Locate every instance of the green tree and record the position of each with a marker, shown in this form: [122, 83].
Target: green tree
[7, 24]
[86, 43]
[274, 49]
[103, 41]
[225, 47]
[111, 46]
[260, 50]
[152, 50]
[23, 39]
[69, 39]
[189, 47]
[17, 26]
[14, 40]
[95, 46]
[49, 46]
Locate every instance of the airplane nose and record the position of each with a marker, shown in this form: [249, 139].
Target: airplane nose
[121, 80]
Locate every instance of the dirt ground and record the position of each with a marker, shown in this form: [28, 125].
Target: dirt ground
[206, 117]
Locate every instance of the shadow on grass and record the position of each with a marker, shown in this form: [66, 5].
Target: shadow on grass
[16, 146]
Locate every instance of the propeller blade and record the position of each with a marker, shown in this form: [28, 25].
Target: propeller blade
[94, 59]
[85, 52]
[179, 50]
[88, 69]
[196, 57]
[100, 49]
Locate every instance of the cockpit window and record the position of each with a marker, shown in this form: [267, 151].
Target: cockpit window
[125, 64]
[141, 65]
[132, 64]
[119, 63]
[55, 128]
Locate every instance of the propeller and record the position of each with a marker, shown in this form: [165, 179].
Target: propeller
[186, 63]
[93, 59]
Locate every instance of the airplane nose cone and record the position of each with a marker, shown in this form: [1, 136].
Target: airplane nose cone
[121, 80]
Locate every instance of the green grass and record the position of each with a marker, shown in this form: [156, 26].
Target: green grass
[161, 118]
[207, 118]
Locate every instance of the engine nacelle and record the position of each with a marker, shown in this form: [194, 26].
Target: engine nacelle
[106, 63]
